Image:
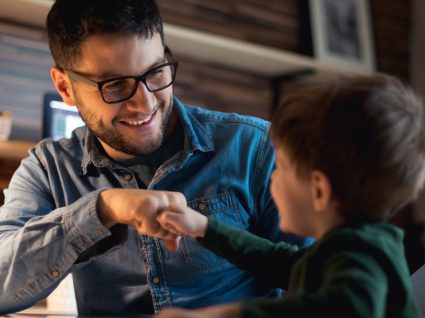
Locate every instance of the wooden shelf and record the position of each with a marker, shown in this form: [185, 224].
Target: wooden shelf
[203, 46]
[14, 149]
[259, 59]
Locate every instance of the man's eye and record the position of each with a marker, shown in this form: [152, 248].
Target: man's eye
[115, 85]
[155, 73]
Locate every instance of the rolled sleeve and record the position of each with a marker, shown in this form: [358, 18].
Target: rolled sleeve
[84, 229]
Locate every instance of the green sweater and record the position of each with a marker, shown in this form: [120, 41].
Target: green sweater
[351, 272]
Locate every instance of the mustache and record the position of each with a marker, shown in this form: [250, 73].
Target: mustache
[138, 115]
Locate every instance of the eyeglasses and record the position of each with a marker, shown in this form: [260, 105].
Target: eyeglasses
[119, 89]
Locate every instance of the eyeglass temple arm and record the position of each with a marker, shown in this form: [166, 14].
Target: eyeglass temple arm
[168, 54]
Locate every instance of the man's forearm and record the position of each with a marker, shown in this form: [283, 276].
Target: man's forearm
[36, 254]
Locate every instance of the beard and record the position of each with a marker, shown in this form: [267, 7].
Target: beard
[112, 137]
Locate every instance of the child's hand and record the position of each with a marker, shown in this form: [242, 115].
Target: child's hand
[182, 220]
[172, 244]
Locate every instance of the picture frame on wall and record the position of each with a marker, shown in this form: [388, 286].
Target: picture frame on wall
[342, 34]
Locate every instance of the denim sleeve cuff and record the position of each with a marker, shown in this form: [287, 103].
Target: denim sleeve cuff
[82, 225]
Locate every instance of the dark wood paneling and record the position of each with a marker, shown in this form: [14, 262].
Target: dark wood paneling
[281, 24]
[215, 87]
[272, 23]
[25, 62]
[392, 24]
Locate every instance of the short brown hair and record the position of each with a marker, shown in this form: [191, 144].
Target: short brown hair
[70, 22]
[366, 133]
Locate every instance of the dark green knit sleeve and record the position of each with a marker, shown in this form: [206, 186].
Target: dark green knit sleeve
[349, 285]
[270, 262]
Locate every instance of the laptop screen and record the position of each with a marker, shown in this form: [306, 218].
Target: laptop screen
[59, 119]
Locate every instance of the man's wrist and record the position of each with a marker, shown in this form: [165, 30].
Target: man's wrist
[103, 210]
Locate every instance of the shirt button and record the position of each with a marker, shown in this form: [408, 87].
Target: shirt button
[127, 177]
[202, 205]
[55, 274]
[155, 280]
[99, 230]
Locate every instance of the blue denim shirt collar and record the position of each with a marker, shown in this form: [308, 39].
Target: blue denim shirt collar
[196, 139]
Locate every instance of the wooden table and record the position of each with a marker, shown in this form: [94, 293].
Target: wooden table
[14, 149]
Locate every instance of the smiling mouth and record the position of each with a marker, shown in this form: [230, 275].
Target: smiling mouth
[139, 122]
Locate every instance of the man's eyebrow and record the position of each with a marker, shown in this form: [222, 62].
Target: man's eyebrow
[110, 75]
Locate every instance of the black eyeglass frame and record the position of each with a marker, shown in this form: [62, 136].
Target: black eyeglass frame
[140, 78]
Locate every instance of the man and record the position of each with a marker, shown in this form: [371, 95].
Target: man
[88, 204]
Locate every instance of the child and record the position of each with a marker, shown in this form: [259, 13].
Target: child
[349, 154]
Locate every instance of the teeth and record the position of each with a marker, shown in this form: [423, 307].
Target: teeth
[138, 122]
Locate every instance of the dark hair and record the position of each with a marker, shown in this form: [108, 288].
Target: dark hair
[70, 22]
[366, 133]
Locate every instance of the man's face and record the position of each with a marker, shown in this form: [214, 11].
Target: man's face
[133, 127]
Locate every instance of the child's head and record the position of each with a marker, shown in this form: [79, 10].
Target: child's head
[365, 133]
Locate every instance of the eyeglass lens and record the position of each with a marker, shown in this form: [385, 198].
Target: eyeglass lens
[124, 88]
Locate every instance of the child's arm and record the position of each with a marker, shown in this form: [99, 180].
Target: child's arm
[236, 245]
[182, 220]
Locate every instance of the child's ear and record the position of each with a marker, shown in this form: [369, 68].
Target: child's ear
[63, 85]
[321, 190]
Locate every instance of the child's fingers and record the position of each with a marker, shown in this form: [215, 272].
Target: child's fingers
[173, 244]
[176, 207]
[167, 216]
[171, 228]
[165, 219]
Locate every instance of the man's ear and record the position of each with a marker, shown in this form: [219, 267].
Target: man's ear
[321, 190]
[63, 85]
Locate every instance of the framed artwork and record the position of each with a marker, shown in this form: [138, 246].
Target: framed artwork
[342, 33]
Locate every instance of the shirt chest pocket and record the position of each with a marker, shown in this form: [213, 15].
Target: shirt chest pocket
[222, 207]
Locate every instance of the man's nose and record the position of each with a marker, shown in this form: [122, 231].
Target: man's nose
[142, 99]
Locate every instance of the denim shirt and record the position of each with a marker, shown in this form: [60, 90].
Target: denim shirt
[49, 226]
